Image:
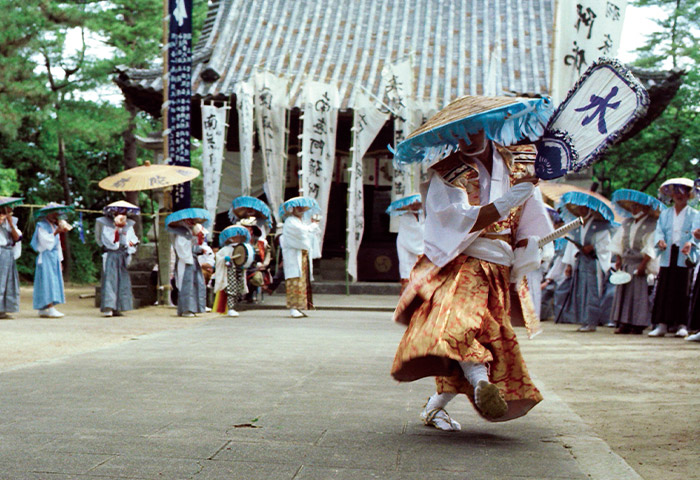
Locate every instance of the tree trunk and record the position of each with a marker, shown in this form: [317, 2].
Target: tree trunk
[130, 157]
[67, 261]
[664, 163]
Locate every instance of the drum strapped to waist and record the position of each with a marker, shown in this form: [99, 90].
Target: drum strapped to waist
[243, 255]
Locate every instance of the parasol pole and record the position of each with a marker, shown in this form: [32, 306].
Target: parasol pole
[162, 291]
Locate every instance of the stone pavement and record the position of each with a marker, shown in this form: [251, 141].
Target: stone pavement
[264, 396]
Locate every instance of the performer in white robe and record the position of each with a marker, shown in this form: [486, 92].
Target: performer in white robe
[116, 235]
[187, 241]
[297, 244]
[48, 275]
[10, 251]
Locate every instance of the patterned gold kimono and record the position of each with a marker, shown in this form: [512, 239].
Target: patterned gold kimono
[462, 313]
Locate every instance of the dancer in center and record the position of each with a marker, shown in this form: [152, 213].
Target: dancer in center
[481, 227]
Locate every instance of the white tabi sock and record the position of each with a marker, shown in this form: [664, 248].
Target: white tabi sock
[439, 400]
[474, 372]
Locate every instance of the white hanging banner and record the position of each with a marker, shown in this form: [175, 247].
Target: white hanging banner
[367, 122]
[321, 102]
[244, 105]
[397, 88]
[213, 139]
[584, 31]
[271, 99]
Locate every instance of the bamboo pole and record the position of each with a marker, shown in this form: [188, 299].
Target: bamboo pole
[162, 241]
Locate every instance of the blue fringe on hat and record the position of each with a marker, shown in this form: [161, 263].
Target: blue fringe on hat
[250, 202]
[308, 202]
[394, 209]
[505, 125]
[10, 201]
[233, 231]
[584, 200]
[186, 213]
[634, 196]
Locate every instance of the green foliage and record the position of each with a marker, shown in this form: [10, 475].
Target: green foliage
[47, 91]
[668, 147]
[8, 182]
[87, 257]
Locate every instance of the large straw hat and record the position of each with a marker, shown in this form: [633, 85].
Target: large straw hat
[665, 188]
[574, 204]
[121, 207]
[241, 205]
[624, 198]
[233, 231]
[505, 120]
[50, 208]
[10, 201]
[198, 215]
[306, 203]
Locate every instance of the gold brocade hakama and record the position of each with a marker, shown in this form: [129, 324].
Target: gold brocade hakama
[299, 288]
[461, 313]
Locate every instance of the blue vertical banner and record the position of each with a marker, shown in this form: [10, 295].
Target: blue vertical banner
[180, 93]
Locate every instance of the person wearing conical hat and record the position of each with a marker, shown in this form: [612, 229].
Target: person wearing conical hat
[48, 275]
[114, 232]
[633, 249]
[187, 238]
[409, 241]
[673, 239]
[229, 282]
[587, 259]
[244, 207]
[297, 244]
[481, 231]
[10, 251]
[257, 275]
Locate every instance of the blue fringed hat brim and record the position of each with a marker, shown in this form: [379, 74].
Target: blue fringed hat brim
[516, 120]
[52, 207]
[624, 195]
[10, 201]
[306, 202]
[199, 215]
[249, 202]
[582, 199]
[233, 231]
[399, 207]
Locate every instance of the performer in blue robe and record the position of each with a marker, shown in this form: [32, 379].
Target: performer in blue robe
[677, 257]
[48, 276]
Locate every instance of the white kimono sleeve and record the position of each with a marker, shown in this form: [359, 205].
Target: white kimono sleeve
[602, 242]
[17, 248]
[108, 238]
[616, 247]
[183, 249]
[449, 219]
